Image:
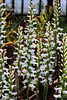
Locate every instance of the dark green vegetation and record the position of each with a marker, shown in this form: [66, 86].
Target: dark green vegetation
[63, 23]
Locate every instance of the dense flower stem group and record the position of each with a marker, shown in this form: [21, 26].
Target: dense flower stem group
[36, 58]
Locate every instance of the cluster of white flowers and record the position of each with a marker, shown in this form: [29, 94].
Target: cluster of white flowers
[62, 90]
[47, 55]
[30, 59]
[64, 66]
[18, 52]
[3, 82]
[11, 81]
[6, 75]
[58, 45]
[57, 31]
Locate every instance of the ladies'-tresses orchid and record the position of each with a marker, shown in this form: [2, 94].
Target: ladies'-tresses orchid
[29, 51]
[19, 64]
[57, 35]
[46, 64]
[3, 71]
[11, 81]
[63, 92]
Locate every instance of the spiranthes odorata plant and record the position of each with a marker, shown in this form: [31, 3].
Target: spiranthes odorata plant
[57, 35]
[62, 89]
[64, 69]
[46, 56]
[3, 59]
[11, 81]
[30, 60]
[18, 52]
[39, 51]
[56, 28]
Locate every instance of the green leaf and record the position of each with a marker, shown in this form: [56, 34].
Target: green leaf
[38, 24]
[46, 15]
[42, 18]
[50, 10]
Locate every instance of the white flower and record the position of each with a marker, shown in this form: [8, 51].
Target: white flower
[3, 36]
[32, 75]
[13, 80]
[24, 48]
[3, 18]
[20, 51]
[4, 4]
[34, 72]
[6, 58]
[25, 71]
[28, 56]
[19, 72]
[60, 33]
[65, 84]
[59, 88]
[34, 23]
[60, 29]
[57, 96]
[46, 44]
[65, 92]
[28, 75]
[24, 53]
[25, 81]
[35, 28]
[3, 22]
[29, 7]
[46, 72]
[2, 26]
[44, 55]
[52, 52]
[3, 9]
[1, 41]
[5, 90]
[41, 77]
[15, 53]
[50, 79]
[33, 45]
[53, 19]
[52, 70]
[34, 9]
[43, 81]
[5, 87]
[33, 62]
[31, 68]
[46, 34]
[32, 86]
[24, 65]
[14, 93]
[13, 86]
[35, 40]
[44, 49]
[0, 5]
[0, 70]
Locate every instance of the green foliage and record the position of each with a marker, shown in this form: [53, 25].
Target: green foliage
[43, 19]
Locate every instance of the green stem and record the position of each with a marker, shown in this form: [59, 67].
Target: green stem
[37, 89]
[28, 91]
[46, 91]
[18, 89]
